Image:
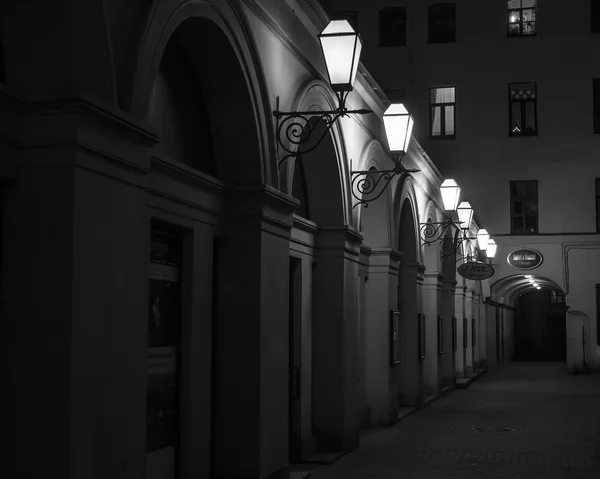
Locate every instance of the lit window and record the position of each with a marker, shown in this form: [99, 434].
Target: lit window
[523, 207]
[442, 23]
[595, 14]
[392, 27]
[522, 109]
[521, 17]
[442, 102]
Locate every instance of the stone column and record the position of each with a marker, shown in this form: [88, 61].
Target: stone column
[335, 346]
[363, 376]
[74, 299]
[381, 298]
[476, 334]
[432, 290]
[482, 336]
[251, 371]
[448, 311]
[411, 366]
[459, 312]
[468, 326]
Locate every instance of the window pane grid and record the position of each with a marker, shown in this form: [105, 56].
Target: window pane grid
[521, 17]
[522, 109]
[524, 207]
[442, 107]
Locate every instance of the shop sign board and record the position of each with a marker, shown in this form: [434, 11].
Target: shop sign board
[525, 258]
[476, 270]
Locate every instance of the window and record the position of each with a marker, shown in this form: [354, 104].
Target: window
[521, 17]
[596, 101]
[523, 207]
[442, 102]
[522, 109]
[597, 205]
[442, 26]
[595, 14]
[392, 27]
[351, 16]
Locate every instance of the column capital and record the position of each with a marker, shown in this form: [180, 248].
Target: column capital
[346, 239]
[384, 260]
[262, 207]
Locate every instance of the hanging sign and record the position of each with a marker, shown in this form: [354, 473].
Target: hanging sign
[525, 259]
[475, 270]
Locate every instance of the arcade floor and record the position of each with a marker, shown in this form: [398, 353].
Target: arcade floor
[524, 420]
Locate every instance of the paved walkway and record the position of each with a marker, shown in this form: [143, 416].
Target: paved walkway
[525, 420]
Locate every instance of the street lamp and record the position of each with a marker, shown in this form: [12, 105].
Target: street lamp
[432, 232]
[341, 47]
[491, 249]
[398, 123]
[483, 238]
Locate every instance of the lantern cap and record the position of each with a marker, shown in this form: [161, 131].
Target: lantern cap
[337, 26]
[396, 109]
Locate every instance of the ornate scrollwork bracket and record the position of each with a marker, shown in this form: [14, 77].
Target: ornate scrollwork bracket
[295, 129]
[368, 185]
[432, 232]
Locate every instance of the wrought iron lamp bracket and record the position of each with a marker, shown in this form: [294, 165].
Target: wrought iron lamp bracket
[295, 129]
[365, 183]
[433, 232]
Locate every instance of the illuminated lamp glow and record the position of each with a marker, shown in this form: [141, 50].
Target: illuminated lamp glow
[465, 215]
[450, 194]
[341, 47]
[491, 249]
[398, 124]
[483, 238]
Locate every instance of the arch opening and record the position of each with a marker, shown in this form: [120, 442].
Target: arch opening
[410, 380]
[540, 327]
[201, 105]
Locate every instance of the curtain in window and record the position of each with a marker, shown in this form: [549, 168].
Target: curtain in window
[437, 96]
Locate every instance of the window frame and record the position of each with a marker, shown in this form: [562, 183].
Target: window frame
[520, 10]
[443, 135]
[430, 18]
[523, 103]
[524, 199]
[382, 13]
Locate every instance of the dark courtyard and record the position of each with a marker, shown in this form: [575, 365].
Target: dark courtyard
[526, 420]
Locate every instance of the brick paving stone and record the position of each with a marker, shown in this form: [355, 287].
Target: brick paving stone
[554, 417]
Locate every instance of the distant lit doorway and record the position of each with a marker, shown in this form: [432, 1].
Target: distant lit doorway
[540, 327]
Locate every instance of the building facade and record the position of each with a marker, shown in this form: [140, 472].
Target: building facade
[177, 301]
[506, 100]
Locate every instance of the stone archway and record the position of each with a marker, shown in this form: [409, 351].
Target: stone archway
[379, 283]
[540, 326]
[199, 89]
[324, 253]
[432, 308]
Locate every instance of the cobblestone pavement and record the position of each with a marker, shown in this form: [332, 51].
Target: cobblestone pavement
[523, 421]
